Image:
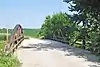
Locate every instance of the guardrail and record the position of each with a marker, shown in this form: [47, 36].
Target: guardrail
[16, 37]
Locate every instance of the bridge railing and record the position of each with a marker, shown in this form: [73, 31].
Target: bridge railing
[16, 37]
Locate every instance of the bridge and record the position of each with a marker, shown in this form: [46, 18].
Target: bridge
[34, 52]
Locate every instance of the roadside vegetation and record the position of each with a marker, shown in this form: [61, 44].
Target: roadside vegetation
[6, 60]
[10, 60]
[82, 29]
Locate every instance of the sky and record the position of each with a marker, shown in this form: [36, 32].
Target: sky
[28, 13]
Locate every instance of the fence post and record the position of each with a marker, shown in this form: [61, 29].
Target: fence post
[7, 34]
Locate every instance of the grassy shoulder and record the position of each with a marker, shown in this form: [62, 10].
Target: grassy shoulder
[12, 61]
[9, 60]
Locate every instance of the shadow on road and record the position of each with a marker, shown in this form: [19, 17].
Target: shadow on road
[69, 50]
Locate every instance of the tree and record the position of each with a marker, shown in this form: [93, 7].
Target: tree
[87, 13]
[58, 27]
[87, 9]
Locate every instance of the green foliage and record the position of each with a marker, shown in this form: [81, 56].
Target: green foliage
[8, 61]
[95, 42]
[58, 27]
[88, 15]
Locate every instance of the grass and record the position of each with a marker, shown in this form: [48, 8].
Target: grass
[11, 61]
[27, 32]
[31, 32]
[7, 60]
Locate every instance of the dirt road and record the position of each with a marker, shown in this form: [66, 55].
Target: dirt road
[46, 53]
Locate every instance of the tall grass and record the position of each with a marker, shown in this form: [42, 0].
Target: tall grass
[11, 61]
[7, 60]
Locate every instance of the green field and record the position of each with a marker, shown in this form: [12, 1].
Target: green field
[31, 32]
[27, 32]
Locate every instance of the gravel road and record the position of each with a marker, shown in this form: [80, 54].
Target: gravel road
[47, 53]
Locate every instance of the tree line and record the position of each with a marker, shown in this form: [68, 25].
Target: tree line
[82, 29]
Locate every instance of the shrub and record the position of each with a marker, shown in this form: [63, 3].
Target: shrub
[8, 61]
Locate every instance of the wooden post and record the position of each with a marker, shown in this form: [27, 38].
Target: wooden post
[7, 34]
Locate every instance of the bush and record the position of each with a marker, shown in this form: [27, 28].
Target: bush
[58, 27]
[8, 61]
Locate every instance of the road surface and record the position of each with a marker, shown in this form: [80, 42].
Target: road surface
[47, 53]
